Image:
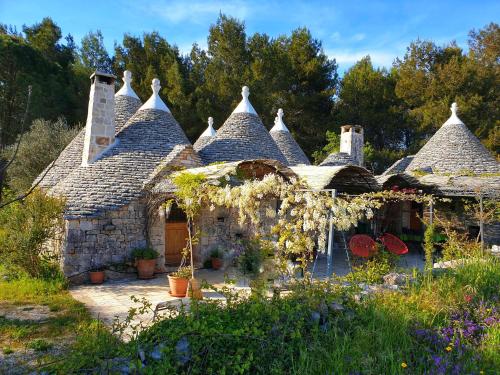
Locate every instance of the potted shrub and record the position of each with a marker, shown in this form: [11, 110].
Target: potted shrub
[97, 275]
[216, 257]
[145, 261]
[178, 281]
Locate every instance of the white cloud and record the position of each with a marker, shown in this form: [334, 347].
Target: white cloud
[335, 36]
[346, 58]
[198, 11]
[358, 37]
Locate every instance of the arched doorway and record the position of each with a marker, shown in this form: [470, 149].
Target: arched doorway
[176, 236]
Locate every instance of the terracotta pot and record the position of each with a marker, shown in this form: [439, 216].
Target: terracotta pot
[216, 263]
[178, 286]
[96, 277]
[146, 268]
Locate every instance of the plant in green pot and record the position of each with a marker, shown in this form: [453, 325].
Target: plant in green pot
[178, 281]
[145, 261]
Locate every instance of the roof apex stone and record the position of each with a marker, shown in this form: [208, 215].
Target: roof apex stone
[209, 131]
[453, 118]
[279, 125]
[126, 89]
[154, 101]
[245, 106]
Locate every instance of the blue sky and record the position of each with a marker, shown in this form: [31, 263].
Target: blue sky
[349, 30]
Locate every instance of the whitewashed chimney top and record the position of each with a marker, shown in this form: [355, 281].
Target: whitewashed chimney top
[210, 131]
[279, 125]
[126, 89]
[245, 106]
[154, 101]
[453, 118]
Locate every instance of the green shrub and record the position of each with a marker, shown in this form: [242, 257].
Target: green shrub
[217, 253]
[374, 268]
[144, 253]
[182, 272]
[7, 350]
[25, 229]
[429, 235]
[39, 345]
[457, 247]
[254, 253]
[39, 147]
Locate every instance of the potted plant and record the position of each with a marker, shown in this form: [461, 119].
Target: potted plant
[178, 281]
[216, 257]
[145, 261]
[97, 275]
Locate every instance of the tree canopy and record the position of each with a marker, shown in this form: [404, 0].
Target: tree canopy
[399, 107]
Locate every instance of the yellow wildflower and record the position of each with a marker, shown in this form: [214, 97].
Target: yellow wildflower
[404, 365]
[448, 348]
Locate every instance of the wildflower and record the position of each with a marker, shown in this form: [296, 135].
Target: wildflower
[404, 365]
[448, 349]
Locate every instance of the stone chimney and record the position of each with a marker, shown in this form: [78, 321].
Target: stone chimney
[100, 127]
[352, 142]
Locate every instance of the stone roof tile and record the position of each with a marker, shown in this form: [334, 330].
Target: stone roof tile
[454, 149]
[149, 138]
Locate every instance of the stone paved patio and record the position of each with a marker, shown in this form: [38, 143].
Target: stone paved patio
[112, 299]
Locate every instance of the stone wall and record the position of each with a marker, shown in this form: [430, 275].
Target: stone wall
[106, 240]
[221, 227]
[110, 238]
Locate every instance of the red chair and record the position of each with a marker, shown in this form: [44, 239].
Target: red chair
[362, 245]
[394, 244]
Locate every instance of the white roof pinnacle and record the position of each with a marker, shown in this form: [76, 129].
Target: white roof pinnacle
[154, 101]
[453, 118]
[245, 106]
[126, 89]
[210, 131]
[279, 125]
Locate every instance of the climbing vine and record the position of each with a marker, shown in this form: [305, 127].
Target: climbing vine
[301, 220]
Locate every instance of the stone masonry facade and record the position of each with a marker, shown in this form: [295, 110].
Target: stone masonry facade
[110, 238]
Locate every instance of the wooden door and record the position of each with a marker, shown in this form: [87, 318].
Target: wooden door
[176, 236]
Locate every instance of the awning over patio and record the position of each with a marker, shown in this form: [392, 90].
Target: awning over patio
[249, 169]
[350, 179]
[445, 185]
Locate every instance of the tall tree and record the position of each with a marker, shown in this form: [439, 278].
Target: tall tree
[153, 57]
[38, 59]
[367, 98]
[93, 53]
[430, 78]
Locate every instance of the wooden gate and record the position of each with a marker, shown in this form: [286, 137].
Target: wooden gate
[176, 236]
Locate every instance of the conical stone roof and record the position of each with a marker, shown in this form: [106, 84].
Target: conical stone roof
[126, 102]
[206, 136]
[149, 139]
[454, 149]
[286, 143]
[337, 159]
[242, 137]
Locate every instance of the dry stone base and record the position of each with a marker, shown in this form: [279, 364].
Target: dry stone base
[107, 240]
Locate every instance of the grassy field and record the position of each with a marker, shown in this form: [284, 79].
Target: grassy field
[448, 323]
[39, 321]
